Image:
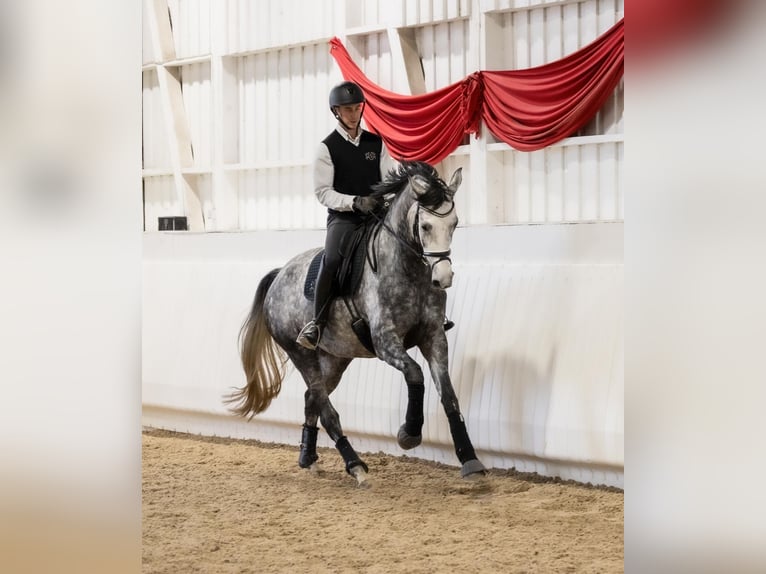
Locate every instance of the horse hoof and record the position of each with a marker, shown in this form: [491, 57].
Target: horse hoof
[361, 477]
[473, 470]
[407, 441]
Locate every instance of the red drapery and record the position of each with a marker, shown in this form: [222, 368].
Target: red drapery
[527, 109]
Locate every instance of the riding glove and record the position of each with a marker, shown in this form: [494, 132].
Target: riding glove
[366, 205]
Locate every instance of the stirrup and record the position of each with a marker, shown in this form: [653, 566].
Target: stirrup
[309, 336]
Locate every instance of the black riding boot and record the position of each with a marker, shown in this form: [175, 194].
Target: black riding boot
[312, 332]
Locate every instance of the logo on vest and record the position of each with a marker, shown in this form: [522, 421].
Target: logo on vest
[370, 156]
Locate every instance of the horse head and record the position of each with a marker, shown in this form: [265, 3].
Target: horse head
[433, 223]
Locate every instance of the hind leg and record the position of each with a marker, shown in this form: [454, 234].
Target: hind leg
[322, 373]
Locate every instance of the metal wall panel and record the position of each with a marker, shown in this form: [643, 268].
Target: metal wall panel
[262, 25]
[196, 88]
[191, 21]
[156, 146]
[564, 184]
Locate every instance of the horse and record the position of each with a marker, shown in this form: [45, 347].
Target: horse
[401, 296]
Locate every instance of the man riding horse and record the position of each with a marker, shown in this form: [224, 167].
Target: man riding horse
[348, 163]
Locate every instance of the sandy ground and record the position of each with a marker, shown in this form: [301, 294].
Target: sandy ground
[221, 505]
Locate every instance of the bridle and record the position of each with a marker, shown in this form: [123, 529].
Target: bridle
[423, 255]
[441, 255]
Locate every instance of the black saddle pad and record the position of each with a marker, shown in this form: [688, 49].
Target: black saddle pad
[311, 276]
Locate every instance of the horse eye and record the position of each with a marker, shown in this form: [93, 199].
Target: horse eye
[426, 227]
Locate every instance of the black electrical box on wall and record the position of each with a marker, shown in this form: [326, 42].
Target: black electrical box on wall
[174, 223]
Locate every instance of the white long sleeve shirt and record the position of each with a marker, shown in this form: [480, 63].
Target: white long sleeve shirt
[324, 173]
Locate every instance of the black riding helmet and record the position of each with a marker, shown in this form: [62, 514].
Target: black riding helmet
[344, 94]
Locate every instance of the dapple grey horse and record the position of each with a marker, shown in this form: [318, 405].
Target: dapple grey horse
[401, 296]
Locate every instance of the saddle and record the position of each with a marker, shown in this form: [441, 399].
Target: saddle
[354, 253]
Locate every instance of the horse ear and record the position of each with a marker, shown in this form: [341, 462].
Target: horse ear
[419, 184]
[455, 180]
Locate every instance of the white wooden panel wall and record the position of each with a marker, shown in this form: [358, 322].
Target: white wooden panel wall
[196, 88]
[191, 26]
[259, 25]
[283, 115]
[564, 184]
[156, 146]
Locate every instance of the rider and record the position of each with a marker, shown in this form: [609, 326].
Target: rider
[348, 163]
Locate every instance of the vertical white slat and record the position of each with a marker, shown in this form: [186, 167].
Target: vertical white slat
[391, 13]
[309, 97]
[537, 37]
[206, 20]
[411, 14]
[572, 183]
[439, 10]
[619, 185]
[607, 182]
[537, 189]
[426, 11]
[521, 187]
[243, 25]
[607, 15]
[261, 107]
[193, 26]
[295, 108]
[442, 55]
[427, 51]
[465, 8]
[554, 184]
[241, 78]
[230, 109]
[553, 33]
[588, 22]
[385, 62]
[503, 55]
[457, 54]
[369, 12]
[571, 28]
[277, 219]
[203, 184]
[246, 89]
[453, 9]
[589, 181]
[148, 54]
[232, 41]
[154, 136]
[521, 52]
[281, 114]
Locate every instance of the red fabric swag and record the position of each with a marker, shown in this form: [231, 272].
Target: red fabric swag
[527, 109]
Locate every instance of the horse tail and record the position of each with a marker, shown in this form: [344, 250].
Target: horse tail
[262, 360]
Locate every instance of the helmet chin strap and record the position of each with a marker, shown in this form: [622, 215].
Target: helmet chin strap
[348, 129]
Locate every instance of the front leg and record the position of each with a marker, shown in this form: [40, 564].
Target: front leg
[435, 351]
[390, 349]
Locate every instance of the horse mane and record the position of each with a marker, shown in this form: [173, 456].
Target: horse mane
[397, 179]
